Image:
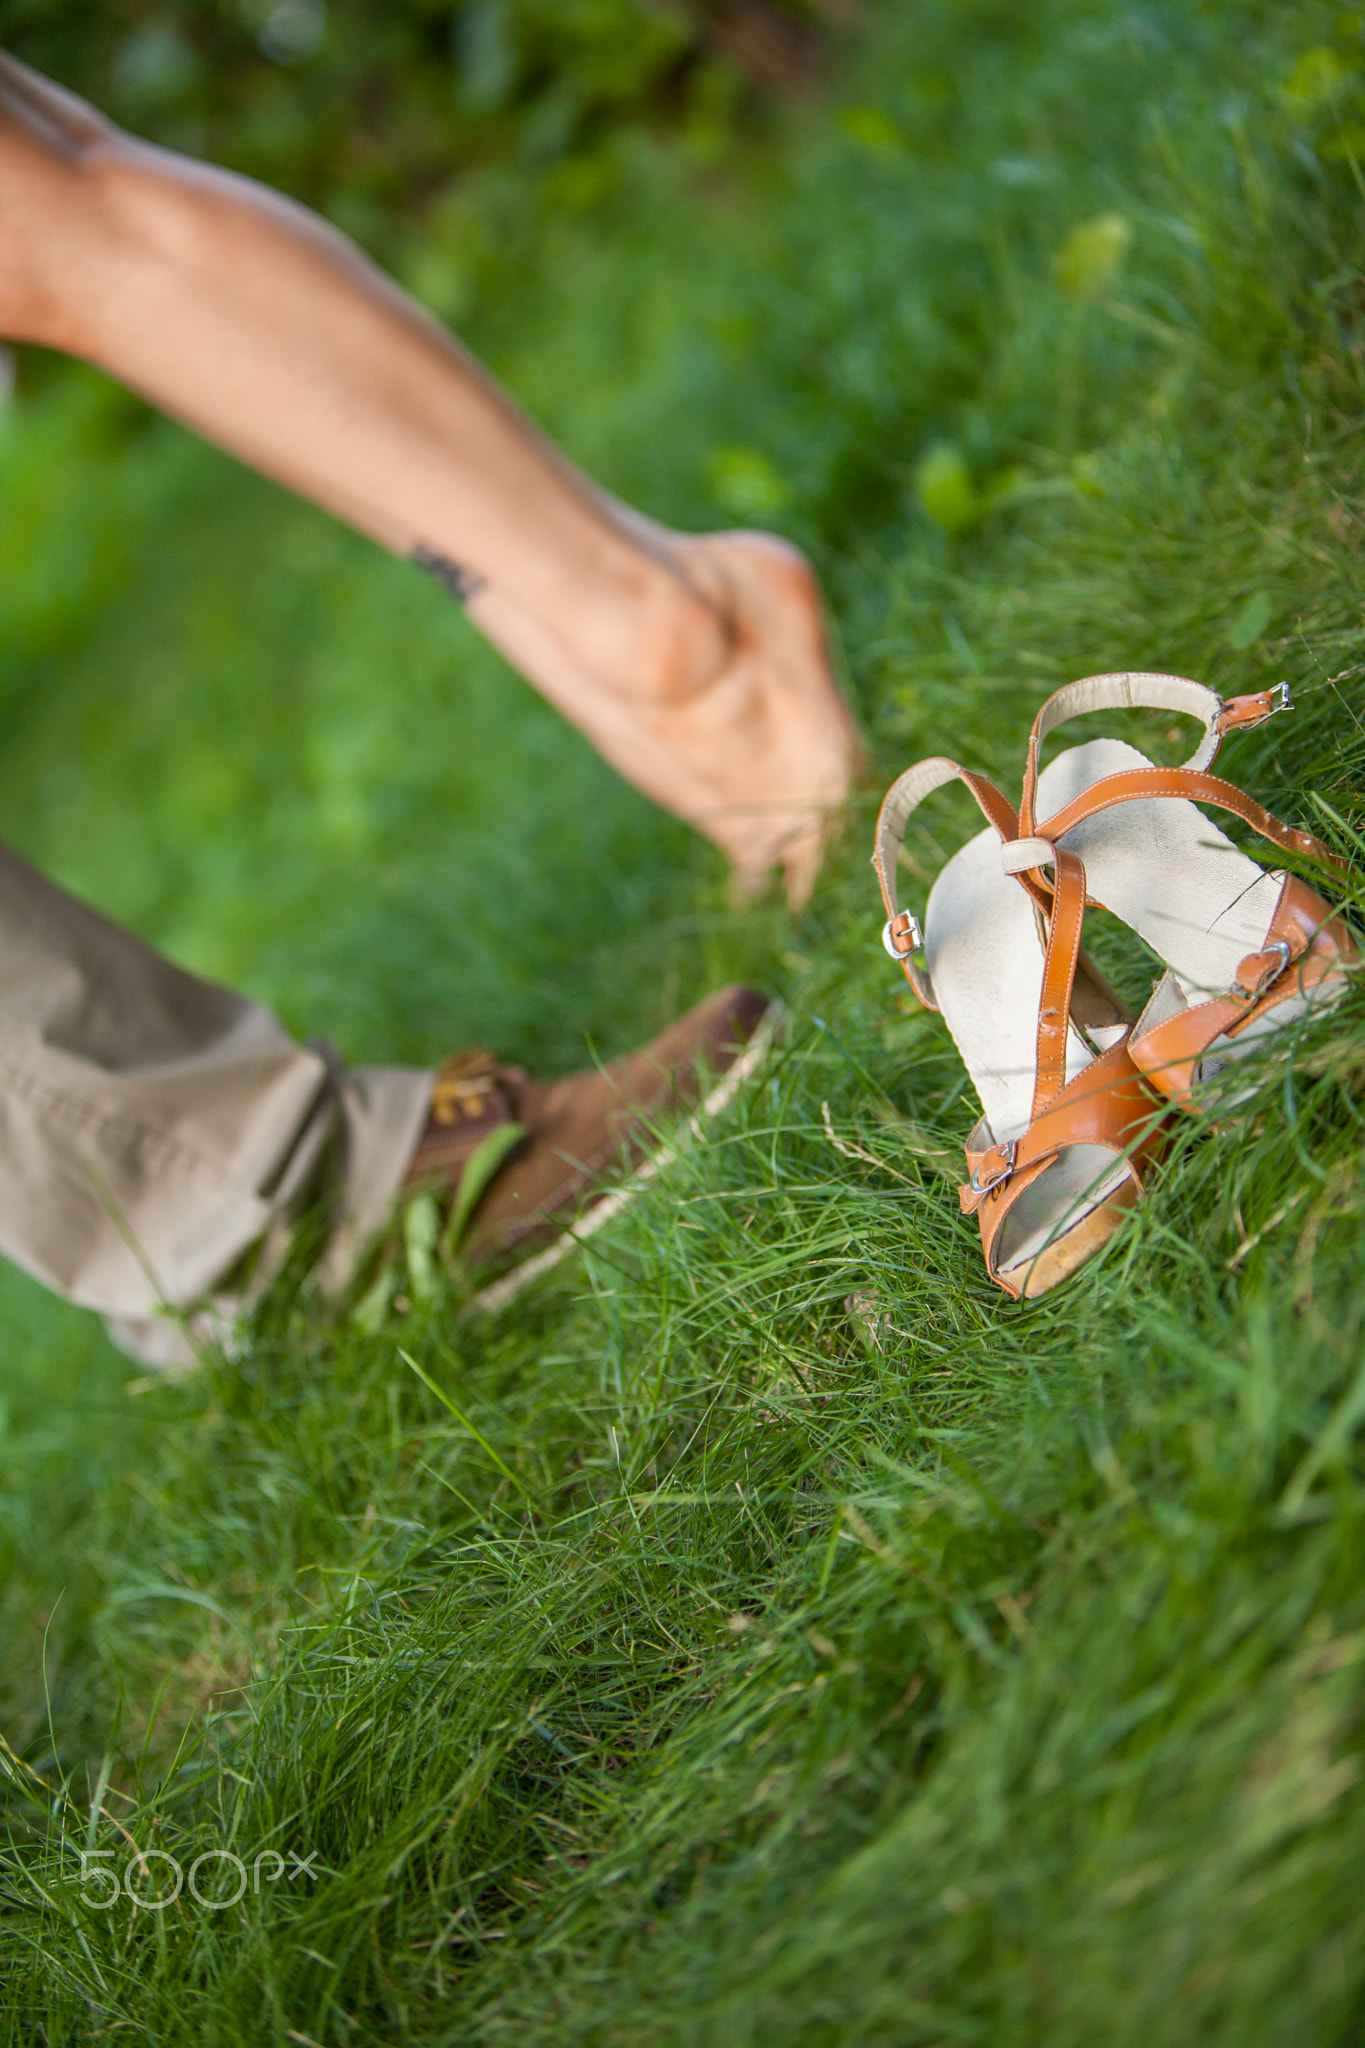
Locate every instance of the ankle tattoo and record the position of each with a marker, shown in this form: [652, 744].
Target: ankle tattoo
[461, 583]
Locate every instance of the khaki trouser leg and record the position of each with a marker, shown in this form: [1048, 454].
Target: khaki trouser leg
[154, 1127]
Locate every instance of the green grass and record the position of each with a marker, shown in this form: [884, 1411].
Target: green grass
[693, 1668]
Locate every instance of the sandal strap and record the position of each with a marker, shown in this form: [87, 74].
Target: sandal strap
[1141, 689]
[901, 934]
[1108, 1105]
[1064, 926]
[1131, 785]
[1306, 942]
[1064, 922]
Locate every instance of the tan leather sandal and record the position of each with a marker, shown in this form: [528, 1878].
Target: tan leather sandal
[1246, 951]
[1069, 1131]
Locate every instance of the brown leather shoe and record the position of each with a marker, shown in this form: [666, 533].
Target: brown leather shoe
[583, 1134]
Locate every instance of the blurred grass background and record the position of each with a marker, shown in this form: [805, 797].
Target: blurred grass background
[941, 1671]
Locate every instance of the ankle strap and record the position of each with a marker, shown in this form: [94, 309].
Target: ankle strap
[901, 934]
[1135, 784]
[1127, 691]
[1130, 690]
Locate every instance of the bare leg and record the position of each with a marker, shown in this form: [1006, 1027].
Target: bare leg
[695, 663]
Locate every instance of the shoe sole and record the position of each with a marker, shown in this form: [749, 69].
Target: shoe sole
[497, 1296]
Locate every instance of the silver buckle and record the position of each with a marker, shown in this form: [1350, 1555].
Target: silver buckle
[1285, 951]
[913, 933]
[1280, 700]
[1008, 1154]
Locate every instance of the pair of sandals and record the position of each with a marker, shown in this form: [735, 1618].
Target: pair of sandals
[1075, 1094]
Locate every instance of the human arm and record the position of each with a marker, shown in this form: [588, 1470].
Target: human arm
[695, 663]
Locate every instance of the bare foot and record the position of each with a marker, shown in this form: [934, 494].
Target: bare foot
[767, 740]
[731, 718]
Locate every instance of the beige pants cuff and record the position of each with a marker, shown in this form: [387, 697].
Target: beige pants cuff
[154, 1127]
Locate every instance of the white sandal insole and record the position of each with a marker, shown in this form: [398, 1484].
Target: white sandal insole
[985, 961]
